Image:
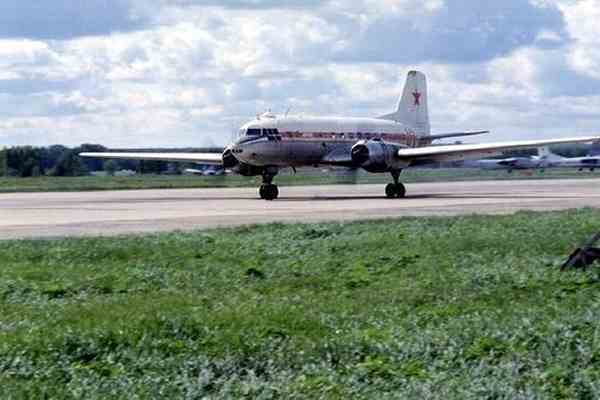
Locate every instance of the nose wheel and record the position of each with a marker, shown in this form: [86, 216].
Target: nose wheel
[268, 192]
[395, 190]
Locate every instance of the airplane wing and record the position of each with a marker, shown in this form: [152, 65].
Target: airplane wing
[591, 160]
[200, 158]
[476, 151]
[508, 162]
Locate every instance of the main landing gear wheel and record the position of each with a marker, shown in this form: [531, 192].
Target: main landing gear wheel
[395, 191]
[268, 192]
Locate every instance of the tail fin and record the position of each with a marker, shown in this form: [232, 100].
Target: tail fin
[546, 154]
[412, 107]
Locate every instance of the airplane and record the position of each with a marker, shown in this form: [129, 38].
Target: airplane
[509, 164]
[545, 159]
[385, 144]
[205, 172]
[549, 159]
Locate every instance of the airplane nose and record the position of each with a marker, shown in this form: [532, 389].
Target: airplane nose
[241, 152]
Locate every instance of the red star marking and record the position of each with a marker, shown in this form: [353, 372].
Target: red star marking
[417, 96]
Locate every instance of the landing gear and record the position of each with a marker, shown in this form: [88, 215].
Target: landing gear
[267, 190]
[395, 190]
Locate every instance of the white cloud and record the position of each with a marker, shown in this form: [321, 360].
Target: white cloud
[582, 23]
[193, 69]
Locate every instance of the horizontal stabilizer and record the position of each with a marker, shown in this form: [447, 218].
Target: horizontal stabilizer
[200, 158]
[454, 134]
[475, 151]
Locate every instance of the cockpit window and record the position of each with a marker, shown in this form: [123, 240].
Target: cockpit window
[261, 132]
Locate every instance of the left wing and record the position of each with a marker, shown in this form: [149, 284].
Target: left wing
[200, 158]
[475, 151]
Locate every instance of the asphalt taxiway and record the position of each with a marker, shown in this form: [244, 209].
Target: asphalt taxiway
[37, 215]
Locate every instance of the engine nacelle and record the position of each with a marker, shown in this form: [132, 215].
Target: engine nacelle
[232, 163]
[229, 160]
[376, 156]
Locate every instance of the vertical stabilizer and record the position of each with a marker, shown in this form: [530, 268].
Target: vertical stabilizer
[545, 154]
[412, 108]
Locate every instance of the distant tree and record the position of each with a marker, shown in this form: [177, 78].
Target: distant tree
[152, 167]
[51, 155]
[110, 167]
[3, 163]
[174, 168]
[92, 164]
[70, 164]
[59, 160]
[24, 159]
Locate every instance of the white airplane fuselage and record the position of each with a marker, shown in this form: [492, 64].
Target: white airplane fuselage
[307, 141]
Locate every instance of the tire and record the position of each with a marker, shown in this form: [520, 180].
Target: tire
[275, 192]
[393, 191]
[390, 191]
[400, 191]
[271, 192]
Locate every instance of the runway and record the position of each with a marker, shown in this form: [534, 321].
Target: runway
[43, 215]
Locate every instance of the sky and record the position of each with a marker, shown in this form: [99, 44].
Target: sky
[159, 73]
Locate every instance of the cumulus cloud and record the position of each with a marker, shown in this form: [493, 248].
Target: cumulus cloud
[65, 19]
[188, 72]
[249, 4]
[582, 23]
[458, 31]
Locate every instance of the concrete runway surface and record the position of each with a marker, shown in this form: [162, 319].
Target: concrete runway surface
[37, 215]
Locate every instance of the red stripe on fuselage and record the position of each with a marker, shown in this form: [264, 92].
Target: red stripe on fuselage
[409, 139]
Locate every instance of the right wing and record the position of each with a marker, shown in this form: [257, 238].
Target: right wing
[475, 151]
[200, 158]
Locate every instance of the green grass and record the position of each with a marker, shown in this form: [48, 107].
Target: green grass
[433, 308]
[304, 177]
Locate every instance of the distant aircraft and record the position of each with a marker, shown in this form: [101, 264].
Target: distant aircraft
[548, 159]
[212, 171]
[387, 144]
[544, 159]
[509, 164]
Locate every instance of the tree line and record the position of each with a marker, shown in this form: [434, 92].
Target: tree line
[58, 160]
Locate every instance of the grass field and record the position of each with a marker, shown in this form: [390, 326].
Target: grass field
[429, 308]
[305, 177]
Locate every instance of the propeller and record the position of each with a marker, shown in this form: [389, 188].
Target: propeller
[360, 154]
